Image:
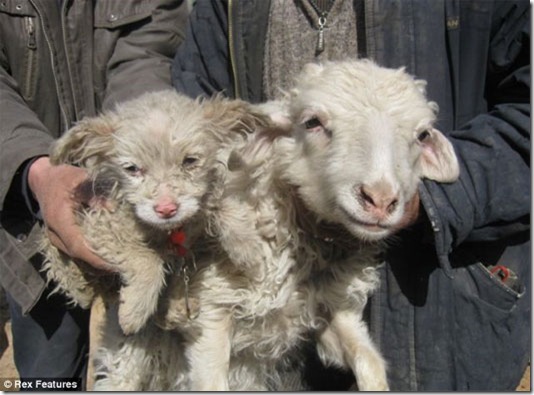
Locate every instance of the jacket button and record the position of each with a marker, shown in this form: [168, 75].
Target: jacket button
[113, 17]
[21, 237]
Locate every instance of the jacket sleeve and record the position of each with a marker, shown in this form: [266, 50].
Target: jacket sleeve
[22, 134]
[491, 200]
[143, 55]
[202, 63]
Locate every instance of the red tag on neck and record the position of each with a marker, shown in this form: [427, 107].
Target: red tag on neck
[177, 239]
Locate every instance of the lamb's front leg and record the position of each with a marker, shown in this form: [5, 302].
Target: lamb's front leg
[346, 341]
[144, 279]
[209, 355]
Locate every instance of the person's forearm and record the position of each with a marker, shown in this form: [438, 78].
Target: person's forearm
[22, 135]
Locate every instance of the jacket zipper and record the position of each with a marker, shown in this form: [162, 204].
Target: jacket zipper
[69, 69]
[32, 45]
[231, 47]
[54, 73]
[30, 29]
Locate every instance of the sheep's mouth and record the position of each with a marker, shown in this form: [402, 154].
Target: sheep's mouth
[372, 227]
[369, 226]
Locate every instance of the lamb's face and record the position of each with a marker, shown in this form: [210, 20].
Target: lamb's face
[363, 137]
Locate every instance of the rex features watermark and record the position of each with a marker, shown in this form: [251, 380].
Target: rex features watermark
[40, 384]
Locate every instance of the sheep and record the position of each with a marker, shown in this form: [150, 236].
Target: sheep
[303, 216]
[155, 164]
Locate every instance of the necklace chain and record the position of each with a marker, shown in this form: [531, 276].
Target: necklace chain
[322, 7]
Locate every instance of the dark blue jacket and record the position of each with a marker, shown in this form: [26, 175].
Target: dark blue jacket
[442, 320]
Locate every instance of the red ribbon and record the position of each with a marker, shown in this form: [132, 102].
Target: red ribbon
[177, 239]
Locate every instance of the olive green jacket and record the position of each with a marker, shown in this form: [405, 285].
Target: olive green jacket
[61, 61]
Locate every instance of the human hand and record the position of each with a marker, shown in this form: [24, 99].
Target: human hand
[411, 212]
[53, 188]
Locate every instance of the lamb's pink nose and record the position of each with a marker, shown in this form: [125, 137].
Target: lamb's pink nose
[166, 209]
[379, 199]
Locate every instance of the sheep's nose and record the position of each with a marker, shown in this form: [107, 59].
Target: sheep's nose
[166, 209]
[380, 199]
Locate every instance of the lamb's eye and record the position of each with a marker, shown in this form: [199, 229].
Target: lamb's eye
[133, 169]
[312, 123]
[189, 161]
[422, 136]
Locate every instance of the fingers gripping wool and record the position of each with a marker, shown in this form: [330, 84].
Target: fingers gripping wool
[300, 223]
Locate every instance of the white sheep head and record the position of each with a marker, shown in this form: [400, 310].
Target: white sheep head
[362, 137]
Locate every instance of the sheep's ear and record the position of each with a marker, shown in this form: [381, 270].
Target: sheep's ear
[233, 118]
[277, 113]
[438, 160]
[89, 141]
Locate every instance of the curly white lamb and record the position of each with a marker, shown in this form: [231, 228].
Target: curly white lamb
[298, 227]
[155, 163]
[301, 221]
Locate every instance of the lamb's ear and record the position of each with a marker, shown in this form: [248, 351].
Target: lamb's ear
[438, 160]
[89, 141]
[233, 118]
[276, 111]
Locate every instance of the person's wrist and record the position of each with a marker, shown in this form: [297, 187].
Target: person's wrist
[36, 173]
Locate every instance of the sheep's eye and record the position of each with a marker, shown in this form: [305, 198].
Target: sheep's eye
[423, 135]
[189, 161]
[133, 169]
[312, 123]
